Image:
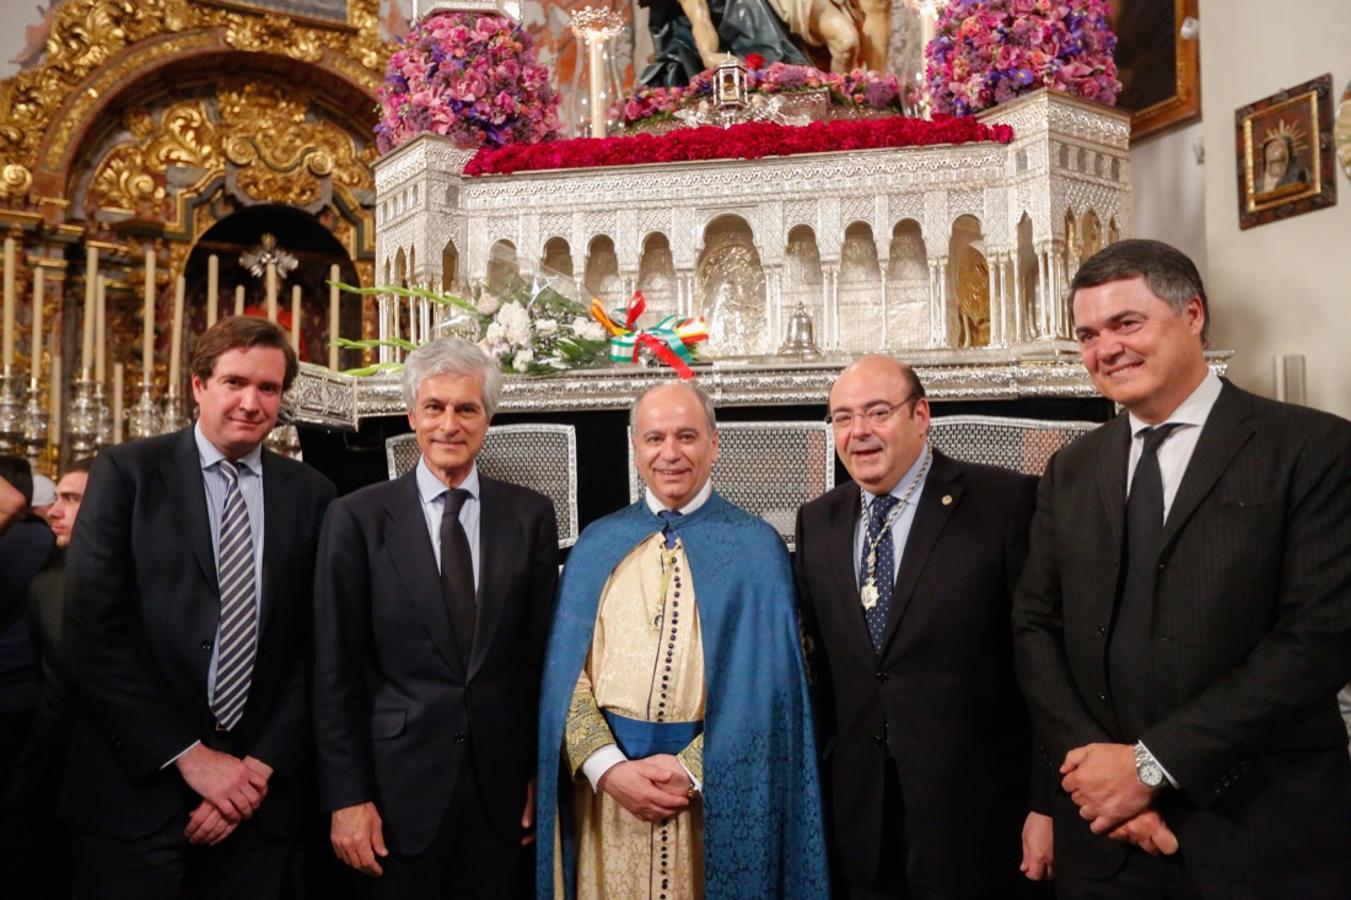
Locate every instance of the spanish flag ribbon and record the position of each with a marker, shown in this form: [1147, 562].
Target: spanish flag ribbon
[669, 340]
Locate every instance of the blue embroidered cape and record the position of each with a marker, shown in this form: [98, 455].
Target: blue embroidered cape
[762, 803]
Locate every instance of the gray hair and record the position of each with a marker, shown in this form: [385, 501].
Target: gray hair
[694, 388]
[1169, 273]
[452, 356]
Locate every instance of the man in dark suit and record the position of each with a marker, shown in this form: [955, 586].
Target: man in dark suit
[188, 582]
[433, 598]
[1183, 623]
[905, 577]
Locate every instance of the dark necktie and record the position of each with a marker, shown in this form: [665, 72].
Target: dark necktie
[1130, 656]
[238, 613]
[669, 516]
[457, 573]
[882, 566]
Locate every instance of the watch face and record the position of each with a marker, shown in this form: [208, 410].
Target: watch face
[1151, 774]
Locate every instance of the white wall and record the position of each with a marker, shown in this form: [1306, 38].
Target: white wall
[1284, 287]
[1168, 191]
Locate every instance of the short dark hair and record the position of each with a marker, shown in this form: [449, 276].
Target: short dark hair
[242, 333]
[17, 471]
[916, 386]
[83, 464]
[1170, 273]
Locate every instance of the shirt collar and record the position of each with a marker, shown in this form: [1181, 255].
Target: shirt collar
[898, 490]
[656, 506]
[429, 487]
[210, 454]
[1192, 411]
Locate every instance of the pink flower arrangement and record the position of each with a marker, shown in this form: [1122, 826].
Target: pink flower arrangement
[471, 77]
[989, 51]
[860, 88]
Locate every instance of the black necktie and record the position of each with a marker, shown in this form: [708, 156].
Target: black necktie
[1130, 655]
[668, 516]
[879, 538]
[457, 572]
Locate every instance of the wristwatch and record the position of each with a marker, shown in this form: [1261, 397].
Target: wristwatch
[1147, 768]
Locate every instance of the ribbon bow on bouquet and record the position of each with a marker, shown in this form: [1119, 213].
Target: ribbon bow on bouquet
[669, 340]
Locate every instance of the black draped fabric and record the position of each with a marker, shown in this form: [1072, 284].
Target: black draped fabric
[744, 27]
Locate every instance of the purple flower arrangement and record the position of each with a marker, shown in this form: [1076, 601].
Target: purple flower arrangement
[860, 88]
[473, 78]
[989, 51]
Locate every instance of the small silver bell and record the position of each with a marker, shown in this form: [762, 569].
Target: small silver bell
[798, 341]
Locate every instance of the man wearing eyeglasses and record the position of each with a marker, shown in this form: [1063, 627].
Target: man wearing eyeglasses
[905, 577]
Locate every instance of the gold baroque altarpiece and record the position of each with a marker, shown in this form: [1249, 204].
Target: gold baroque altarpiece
[146, 122]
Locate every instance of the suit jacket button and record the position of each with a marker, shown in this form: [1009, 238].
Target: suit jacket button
[883, 677]
[877, 740]
[1102, 696]
[1102, 631]
[207, 645]
[460, 737]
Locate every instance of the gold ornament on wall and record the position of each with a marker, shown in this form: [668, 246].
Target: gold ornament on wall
[1342, 132]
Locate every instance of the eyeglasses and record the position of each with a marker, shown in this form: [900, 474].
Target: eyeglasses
[873, 414]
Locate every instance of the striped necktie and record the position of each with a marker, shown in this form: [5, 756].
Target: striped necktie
[238, 612]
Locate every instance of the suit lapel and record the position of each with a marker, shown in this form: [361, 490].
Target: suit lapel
[494, 532]
[844, 516]
[1112, 476]
[1224, 434]
[410, 555]
[940, 498]
[183, 480]
[279, 503]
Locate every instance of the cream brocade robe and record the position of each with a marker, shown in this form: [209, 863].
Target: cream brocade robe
[646, 662]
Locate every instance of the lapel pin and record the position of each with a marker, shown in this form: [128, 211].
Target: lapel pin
[947, 499]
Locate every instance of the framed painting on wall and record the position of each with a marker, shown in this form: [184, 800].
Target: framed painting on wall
[1158, 59]
[1285, 155]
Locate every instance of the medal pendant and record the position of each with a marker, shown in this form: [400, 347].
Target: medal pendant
[869, 595]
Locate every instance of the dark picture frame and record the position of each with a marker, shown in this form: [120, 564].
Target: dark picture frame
[1160, 69]
[1285, 153]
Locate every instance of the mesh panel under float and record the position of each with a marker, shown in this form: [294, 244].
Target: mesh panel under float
[540, 457]
[1024, 445]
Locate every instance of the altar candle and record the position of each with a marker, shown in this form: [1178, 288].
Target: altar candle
[176, 334]
[295, 318]
[333, 316]
[8, 355]
[91, 274]
[148, 333]
[119, 376]
[54, 389]
[272, 292]
[239, 299]
[101, 333]
[35, 350]
[212, 290]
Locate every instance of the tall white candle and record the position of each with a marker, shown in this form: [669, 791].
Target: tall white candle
[54, 390]
[148, 331]
[272, 292]
[91, 274]
[35, 346]
[333, 316]
[212, 289]
[239, 299]
[176, 334]
[7, 355]
[119, 377]
[101, 333]
[295, 318]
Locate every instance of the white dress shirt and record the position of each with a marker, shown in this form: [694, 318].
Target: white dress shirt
[603, 759]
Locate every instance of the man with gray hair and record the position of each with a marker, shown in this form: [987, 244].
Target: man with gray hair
[433, 597]
[675, 674]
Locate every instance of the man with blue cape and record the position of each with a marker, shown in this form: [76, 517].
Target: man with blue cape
[677, 757]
